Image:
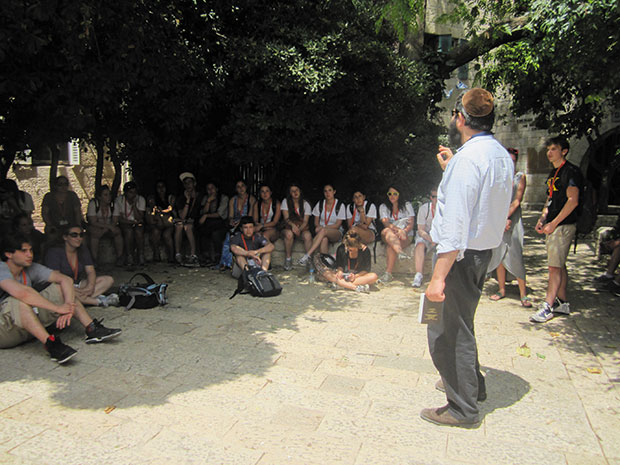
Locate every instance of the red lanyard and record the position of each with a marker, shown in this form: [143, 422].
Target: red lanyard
[240, 210]
[127, 215]
[395, 216]
[75, 267]
[327, 218]
[265, 217]
[555, 177]
[24, 282]
[357, 261]
[244, 243]
[296, 209]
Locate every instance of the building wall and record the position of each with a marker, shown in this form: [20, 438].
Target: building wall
[34, 179]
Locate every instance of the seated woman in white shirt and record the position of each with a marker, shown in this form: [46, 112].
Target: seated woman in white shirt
[360, 217]
[100, 215]
[266, 214]
[397, 218]
[328, 214]
[296, 213]
[423, 241]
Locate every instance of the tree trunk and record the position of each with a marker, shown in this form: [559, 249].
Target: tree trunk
[100, 149]
[54, 165]
[7, 157]
[118, 167]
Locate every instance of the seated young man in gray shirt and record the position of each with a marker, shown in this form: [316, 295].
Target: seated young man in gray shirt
[25, 313]
[249, 247]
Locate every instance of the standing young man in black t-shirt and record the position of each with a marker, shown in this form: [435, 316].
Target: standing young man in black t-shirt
[558, 223]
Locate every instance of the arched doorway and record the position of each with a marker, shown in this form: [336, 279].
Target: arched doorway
[601, 165]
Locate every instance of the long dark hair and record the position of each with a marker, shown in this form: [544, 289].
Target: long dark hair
[402, 203]
[259, 200]
[11, 186]
[98, 193]
[218, 196]
[161, 203]
[291, 203]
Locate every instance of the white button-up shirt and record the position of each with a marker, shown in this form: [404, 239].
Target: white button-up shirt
[473, 197]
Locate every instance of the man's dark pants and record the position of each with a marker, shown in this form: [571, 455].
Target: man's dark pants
[452, 341]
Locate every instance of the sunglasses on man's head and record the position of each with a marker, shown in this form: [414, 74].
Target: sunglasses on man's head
[76, 234]
[393, 193]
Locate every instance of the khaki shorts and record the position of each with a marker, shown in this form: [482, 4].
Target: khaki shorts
[11, 331]
[558, 245]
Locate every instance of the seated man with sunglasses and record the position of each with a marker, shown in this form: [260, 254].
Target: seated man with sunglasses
[26, 313]
[73, 259]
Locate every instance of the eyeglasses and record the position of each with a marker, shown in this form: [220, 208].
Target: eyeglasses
[393, 193]
[433, 196]
[76, 234]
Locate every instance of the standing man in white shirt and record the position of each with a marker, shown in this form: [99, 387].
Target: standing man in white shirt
[472, 205]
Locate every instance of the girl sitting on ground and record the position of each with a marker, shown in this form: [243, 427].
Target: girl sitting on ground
[328, 214]
[296, 214]
[397, 217]
[73, 259]
[352, 265]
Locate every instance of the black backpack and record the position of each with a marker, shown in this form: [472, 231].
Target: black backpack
[146, 295]
[257, 282]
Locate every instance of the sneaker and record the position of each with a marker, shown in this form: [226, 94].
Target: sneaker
[102, 300]
[58, 351]
[561, 307]
[403, 256]
[179, 258]
[288, 264]
[417, 280]
[603, 279]
[303, 260]
[385, 278]
[363, 288]
[96, 332]
[614, 288]
[112, 300]
[193, 261]
[544, 313]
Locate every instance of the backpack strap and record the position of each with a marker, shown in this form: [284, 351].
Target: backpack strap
[149, 280]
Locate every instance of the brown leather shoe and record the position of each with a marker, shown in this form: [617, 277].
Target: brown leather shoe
[482, 396]
[442, 417]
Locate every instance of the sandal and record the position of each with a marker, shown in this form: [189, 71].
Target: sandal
[497, 296]
[526, 302]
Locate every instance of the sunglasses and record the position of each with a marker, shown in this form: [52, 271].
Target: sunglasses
[76, 234]
[393, 193]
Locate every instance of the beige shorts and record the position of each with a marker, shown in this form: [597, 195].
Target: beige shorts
[558, 245]
[11, 331]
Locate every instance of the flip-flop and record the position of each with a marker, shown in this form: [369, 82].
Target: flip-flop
[526, 302]
[497, 296]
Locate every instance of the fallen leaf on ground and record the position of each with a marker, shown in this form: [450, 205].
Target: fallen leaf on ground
[540, 356]
[524, 350]
[594, 370]
[555, 334]
[109, 408]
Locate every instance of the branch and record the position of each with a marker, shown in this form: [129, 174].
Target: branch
[490, 39]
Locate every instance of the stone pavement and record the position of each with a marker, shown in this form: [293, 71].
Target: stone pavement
[316, 376]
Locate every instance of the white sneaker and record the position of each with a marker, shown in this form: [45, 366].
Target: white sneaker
[303, 260]
[561, 307]
[544, 314]
[112, 300]
[403, 256]
[288, 264]
[363, 288]
[417, 280]
[385, 278]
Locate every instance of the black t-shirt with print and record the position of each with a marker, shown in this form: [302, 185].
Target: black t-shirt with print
[567, 176]
[361, 263]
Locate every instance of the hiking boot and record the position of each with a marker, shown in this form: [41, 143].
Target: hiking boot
[288, 264]
[96, 332]
[303, 260]
[560, 307]
[58, 351]
[482, 395]
[441, 416]
[417, 280]
[385, 277]
[544, 314]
